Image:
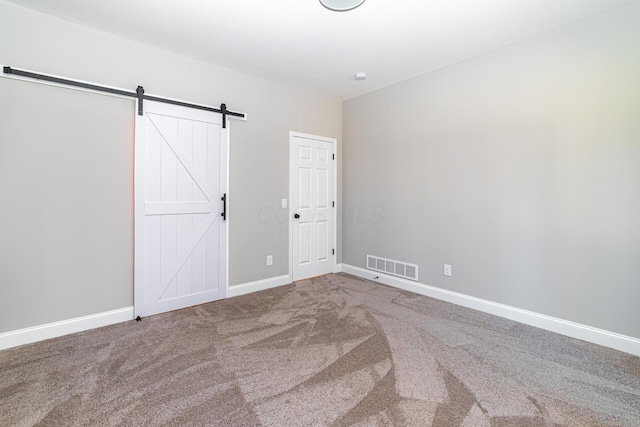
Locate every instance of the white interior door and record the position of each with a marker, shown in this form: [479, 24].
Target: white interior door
[180, 235]
[312, 205]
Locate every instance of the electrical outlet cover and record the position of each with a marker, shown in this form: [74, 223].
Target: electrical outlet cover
[447, 270]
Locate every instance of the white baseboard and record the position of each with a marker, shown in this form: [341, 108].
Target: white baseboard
[64, 327]
[258, 285]
[79, 324]
[575, 330]
[338, 268]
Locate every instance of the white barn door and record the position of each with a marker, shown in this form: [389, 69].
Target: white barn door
[180, 235]
[312, 194]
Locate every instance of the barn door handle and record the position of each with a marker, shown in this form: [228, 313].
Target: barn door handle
[224, 206]
[296, 216]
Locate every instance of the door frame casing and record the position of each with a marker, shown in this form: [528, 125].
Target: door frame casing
[334, 237]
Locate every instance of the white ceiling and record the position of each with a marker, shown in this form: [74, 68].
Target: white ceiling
[302, 44]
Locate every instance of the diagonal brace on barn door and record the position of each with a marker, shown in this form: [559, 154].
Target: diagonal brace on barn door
[183, 257]
[172, 142]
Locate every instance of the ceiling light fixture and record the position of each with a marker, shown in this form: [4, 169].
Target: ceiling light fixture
[360, 76]
[341, 5]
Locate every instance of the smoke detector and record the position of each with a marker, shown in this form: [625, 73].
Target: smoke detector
[360, 76]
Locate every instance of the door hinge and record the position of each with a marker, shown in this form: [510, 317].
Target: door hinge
[333, 251]
[334, 156]
[333, 204]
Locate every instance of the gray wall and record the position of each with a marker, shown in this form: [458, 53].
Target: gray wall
[66, 161]
[520, 167]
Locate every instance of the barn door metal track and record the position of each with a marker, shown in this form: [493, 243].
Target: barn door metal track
[138, 94]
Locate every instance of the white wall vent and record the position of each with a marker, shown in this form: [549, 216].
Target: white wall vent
[396, 268]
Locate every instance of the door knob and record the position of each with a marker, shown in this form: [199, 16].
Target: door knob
[296, 216]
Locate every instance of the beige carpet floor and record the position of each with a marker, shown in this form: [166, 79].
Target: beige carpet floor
[334, 350]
